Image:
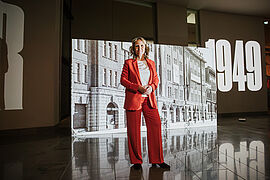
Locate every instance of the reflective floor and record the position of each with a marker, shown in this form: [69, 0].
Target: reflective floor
[233, 150]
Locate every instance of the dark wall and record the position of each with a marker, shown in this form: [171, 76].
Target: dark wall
[65, 96]
[236, 27]
[172, 24]
[119, 20]
[41, 52]
[112, 20]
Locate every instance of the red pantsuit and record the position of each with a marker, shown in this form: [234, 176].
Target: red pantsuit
[135, 105]
[154, 140]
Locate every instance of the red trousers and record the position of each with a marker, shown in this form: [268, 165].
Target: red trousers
[154, 140]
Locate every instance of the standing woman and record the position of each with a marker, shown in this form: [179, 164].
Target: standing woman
[140, 78]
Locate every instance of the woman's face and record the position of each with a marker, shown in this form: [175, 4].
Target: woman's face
[139, 48]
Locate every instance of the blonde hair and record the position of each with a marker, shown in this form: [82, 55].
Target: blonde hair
[132, 47]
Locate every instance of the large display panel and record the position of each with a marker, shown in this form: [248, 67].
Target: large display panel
[186, 94]
[11, 61]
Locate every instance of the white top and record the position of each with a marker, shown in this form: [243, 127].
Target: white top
[144, 73]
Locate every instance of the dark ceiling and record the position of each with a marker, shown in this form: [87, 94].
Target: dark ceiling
[245, 7]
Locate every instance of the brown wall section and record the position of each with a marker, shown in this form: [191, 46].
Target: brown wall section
[92, 19]
[40, 54]
[112, 20]
[119, 20]
[132, 20]
[236, 27]
[172, 24]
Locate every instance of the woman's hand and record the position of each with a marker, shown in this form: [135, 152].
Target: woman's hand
[141, 89]
[148, 88]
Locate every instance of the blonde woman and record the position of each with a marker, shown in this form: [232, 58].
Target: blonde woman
[140, 78]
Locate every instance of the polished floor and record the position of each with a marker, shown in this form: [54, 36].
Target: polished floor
[232, 150]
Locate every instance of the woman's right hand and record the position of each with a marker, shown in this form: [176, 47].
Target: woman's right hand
[141, 89]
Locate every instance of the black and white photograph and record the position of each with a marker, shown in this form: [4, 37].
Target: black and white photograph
[186, 93]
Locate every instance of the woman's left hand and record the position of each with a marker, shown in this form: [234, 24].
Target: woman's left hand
[148, 88]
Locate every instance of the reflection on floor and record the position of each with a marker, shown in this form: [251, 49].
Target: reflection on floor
[233, 150]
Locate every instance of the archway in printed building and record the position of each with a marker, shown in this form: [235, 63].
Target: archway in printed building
[164, 115]
[209, 111]
[112, 118]
[215, 110]
[79, 117]
[178, 114]
[189, 118]
[184, 114]
[205, 113]
[194, 113]
[197, 113]
[202, 113]
[172, 114]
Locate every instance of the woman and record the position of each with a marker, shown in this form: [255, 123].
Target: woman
[139, 76]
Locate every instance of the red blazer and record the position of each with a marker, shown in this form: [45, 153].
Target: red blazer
[130, 78]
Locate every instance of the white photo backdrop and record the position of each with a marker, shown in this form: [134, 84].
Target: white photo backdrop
[186, 94]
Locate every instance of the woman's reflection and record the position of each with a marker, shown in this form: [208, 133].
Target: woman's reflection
[135, 174]
[156, 173]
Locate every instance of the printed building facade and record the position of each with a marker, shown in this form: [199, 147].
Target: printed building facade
[186, 93]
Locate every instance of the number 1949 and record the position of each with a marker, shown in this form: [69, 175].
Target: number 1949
[226, 75]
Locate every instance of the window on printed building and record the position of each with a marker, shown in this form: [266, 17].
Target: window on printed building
[75, 72]
[181, 95]
[78, 45]
[110, 50]
[176, 93]
[126, 55]
[104, 76]
[85, 46]
[115, 79]
[111, 78]
[104, 49]
[78, 72]
[85, 73]
[168, 59]
[181, 66]
[214, 97]
[115, 52]
[169, 92]
[175, 61]
[169, 75]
